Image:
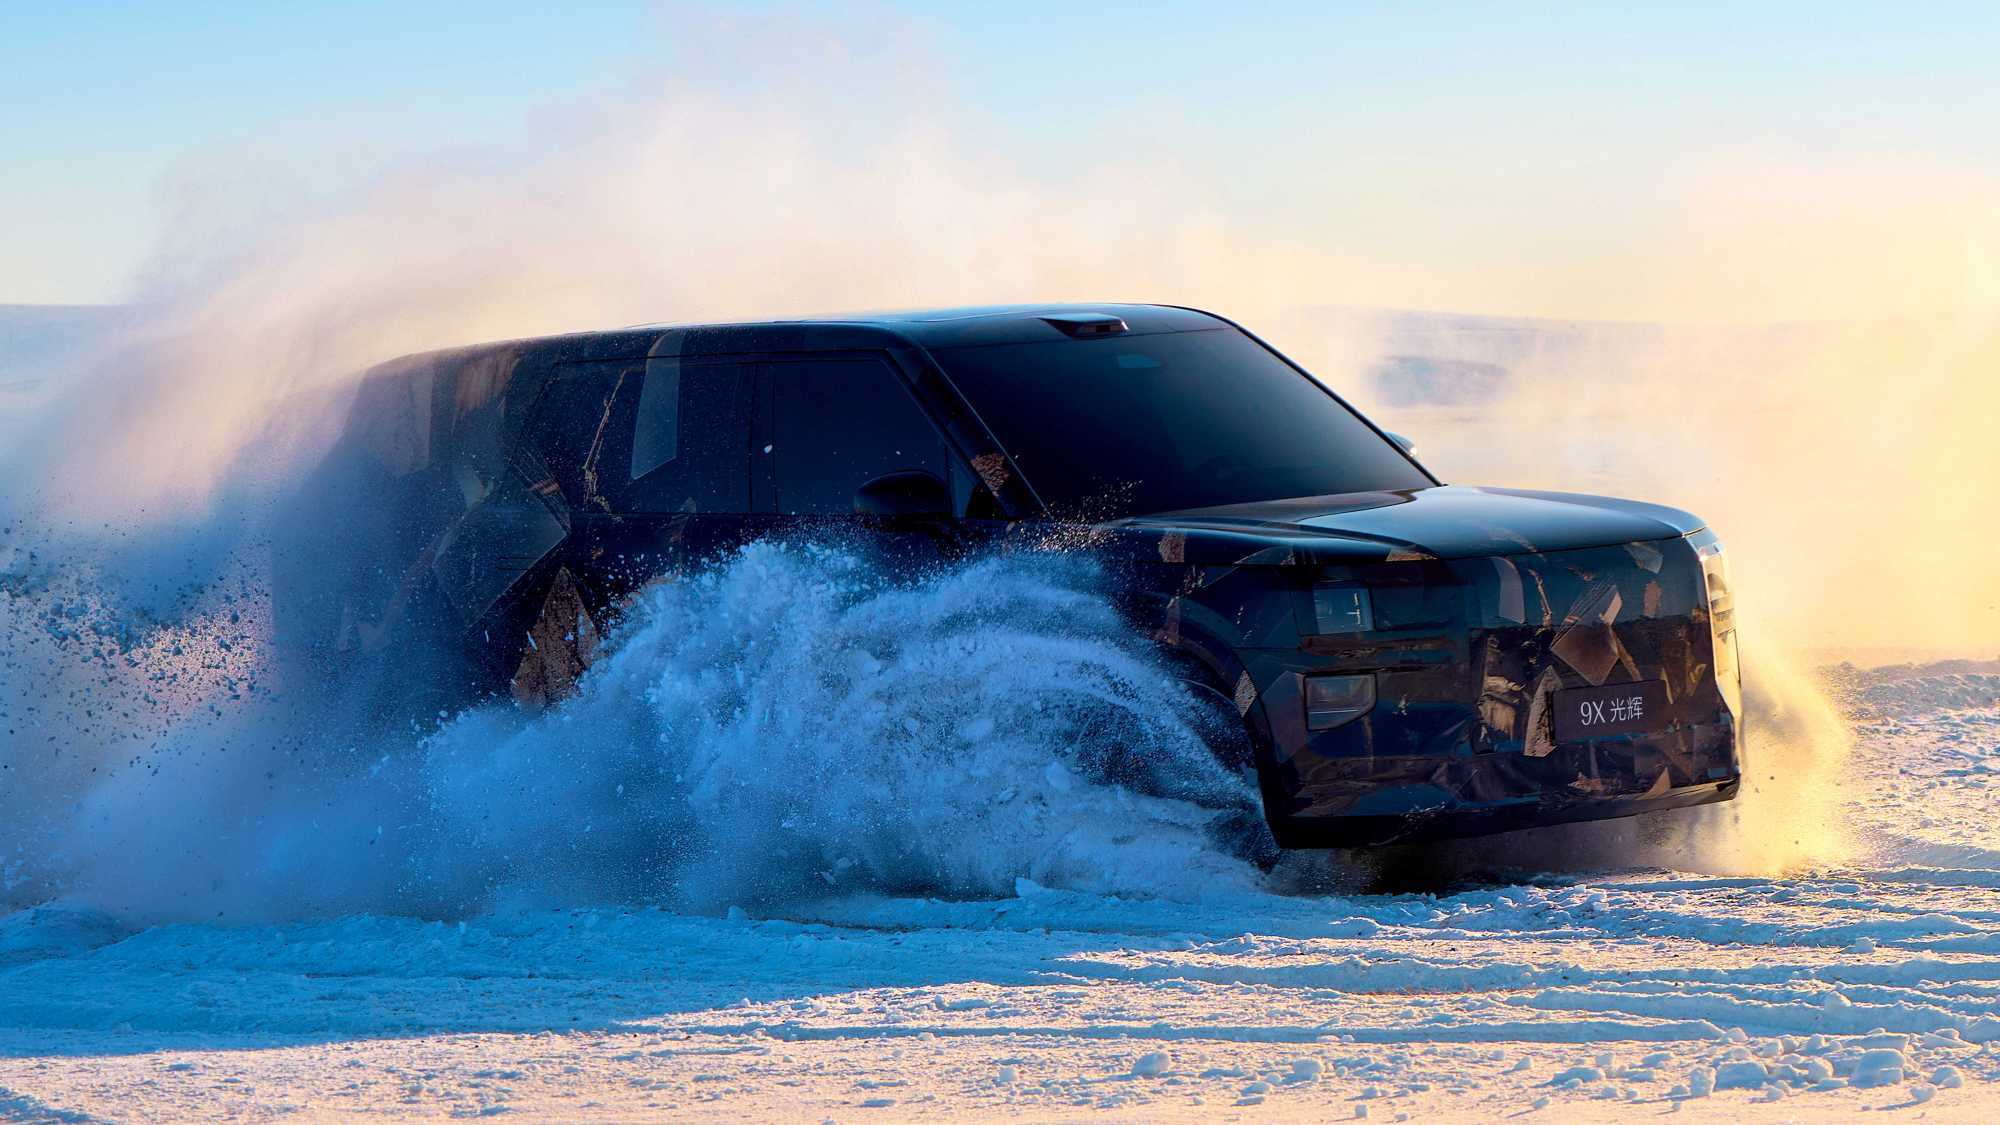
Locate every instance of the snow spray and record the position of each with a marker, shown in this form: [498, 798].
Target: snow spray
[789, 724]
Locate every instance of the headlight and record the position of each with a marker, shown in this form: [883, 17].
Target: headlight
[1722, 623]
[1341, 609]
[1334, 700]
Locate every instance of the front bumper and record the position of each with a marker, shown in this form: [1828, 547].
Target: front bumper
[1459, 822]
[1380, 801]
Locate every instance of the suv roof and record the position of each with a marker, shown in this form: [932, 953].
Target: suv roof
[928, 328]
[925, 328]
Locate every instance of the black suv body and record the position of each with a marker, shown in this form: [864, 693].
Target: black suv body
[1407, 660]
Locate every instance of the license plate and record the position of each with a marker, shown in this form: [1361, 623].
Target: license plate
[1594, 712]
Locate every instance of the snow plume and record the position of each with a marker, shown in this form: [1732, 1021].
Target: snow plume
[793, 723]
[776, 168]
[787, 725]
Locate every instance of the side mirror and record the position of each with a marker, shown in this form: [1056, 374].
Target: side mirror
[910, 492]
[1403, 443]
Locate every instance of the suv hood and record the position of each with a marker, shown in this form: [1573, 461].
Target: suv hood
[1447, 522]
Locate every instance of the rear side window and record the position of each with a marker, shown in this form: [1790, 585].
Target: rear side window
[838, 424]
[691, 438]
[662, 436]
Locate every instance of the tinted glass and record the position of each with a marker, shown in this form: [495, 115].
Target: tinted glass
[1157, 423]
[838, 424]
[691, 439]
[656, 436]
[575, 419]
[664, 437]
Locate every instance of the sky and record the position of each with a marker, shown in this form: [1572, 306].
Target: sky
[1511, 158]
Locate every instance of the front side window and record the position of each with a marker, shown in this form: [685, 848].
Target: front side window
[839, 423]
[1129, 425]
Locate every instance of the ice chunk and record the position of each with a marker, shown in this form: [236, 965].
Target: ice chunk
[1881, 1066]
[1741, 1074]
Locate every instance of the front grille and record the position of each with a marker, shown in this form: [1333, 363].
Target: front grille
[1586, 618]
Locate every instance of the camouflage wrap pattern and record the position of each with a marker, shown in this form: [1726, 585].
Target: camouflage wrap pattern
[1468, 655]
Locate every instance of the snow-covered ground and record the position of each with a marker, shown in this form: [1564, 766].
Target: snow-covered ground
[1870, 986]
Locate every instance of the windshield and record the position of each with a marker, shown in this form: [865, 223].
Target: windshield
[1140, 424]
